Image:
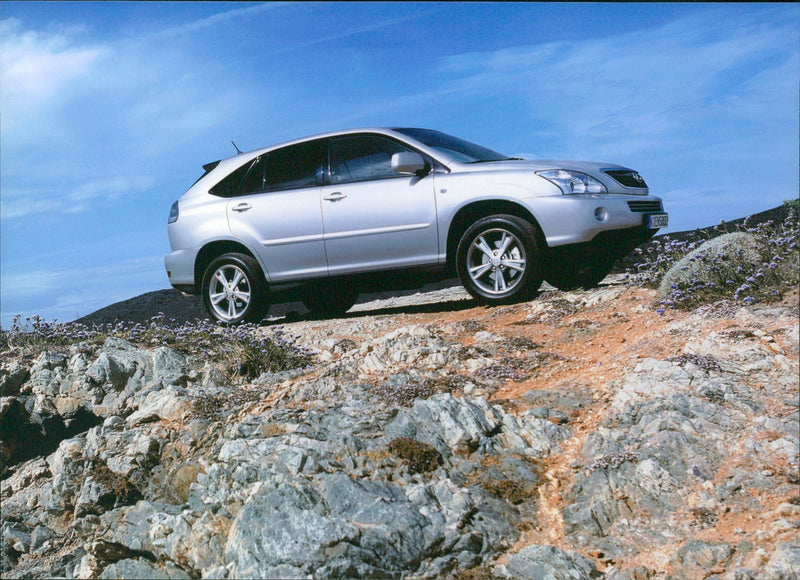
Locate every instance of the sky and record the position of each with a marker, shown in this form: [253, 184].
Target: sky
[109, 110]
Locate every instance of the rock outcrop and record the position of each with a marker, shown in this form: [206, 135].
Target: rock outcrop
[579, 435]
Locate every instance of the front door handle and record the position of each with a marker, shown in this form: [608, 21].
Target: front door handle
[242, 207]
[335, 196]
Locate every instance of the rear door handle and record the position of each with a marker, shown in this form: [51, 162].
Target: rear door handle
[335, 196]
[242, 207]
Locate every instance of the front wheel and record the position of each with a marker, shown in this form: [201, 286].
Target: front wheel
[498, 260]
[234, 290]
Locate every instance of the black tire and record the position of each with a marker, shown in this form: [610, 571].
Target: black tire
[498, 260]
[326, 298]
[234, 290]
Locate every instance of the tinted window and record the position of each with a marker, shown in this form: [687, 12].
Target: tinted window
[363, 157]
[253, 180]
[295, 166]
[286, 168]
[229, 186]
[459, 149]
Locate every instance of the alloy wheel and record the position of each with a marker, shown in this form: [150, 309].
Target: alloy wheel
[496, 261]
[229, 292]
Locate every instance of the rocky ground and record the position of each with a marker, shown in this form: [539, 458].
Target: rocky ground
[579, 435]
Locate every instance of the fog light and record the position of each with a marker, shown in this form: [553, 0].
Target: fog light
[600, 214]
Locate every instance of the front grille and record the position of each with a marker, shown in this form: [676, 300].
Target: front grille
[645, 206]
[627, 177]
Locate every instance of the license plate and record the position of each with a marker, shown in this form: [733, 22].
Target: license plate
[658, 220]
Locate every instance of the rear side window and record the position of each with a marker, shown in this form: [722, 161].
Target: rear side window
[295, 166]
[229, 186]
[362, 158]
[289, 167]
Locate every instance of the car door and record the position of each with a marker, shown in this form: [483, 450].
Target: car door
[374, 218]
[277, 211]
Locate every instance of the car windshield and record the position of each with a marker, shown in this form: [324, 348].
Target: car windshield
[453, 147]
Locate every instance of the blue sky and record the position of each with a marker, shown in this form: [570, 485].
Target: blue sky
[109, 110]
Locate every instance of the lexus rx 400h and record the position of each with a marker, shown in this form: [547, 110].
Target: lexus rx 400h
[329, 216]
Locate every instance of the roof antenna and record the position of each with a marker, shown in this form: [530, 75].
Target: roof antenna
[237, 149]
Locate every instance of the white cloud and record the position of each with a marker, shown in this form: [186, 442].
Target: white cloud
[71, 198]
[217, 19]
[38, 69]
[86, 121]
[633, 91]
[41, 281]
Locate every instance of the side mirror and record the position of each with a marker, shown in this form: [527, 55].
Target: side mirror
[408, 162]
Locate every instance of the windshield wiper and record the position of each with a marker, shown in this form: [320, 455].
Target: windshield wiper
[488, 160]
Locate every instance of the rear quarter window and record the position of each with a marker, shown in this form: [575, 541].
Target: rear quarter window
[292, 167]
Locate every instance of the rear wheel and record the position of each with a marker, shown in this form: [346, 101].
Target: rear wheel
[326, 298]
[234, 290]
[498, 260]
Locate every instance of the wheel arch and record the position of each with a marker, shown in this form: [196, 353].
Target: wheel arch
[212, 251]
[474, 211]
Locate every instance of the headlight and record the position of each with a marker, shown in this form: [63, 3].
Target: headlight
[573, 181]
[173, 213]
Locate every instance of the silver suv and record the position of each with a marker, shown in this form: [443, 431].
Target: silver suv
[326, 217]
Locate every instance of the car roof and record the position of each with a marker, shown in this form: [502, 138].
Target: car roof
[380, 130]
[227, 164]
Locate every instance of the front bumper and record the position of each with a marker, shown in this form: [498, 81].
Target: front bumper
[605, 248]
[579, 219]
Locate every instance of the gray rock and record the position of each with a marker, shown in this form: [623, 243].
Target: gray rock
[94, 498]
[170, 403]
[697, 558]
[39, 536]
[144, 570]
[68, 466]
[17, 538]
[461, 426]
[283, 527]
[447, 423]
[728, 250]
[126, 532]
[548, 563]
[343, 527]
[169, 366]
[12, 378]
[784, 563]
[365, 465]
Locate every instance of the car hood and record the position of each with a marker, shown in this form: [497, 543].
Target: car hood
[591, 167]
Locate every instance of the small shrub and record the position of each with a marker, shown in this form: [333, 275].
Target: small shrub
[216, 406]
[208, 406]
[752, 264]
[715, 267]
[502, 372]
[522, 343]
[404, 394]
[702, 361]
[613, 460]
[243, 350]
[123, 490]
[506, 489]
[654, 259]
[419, 457]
